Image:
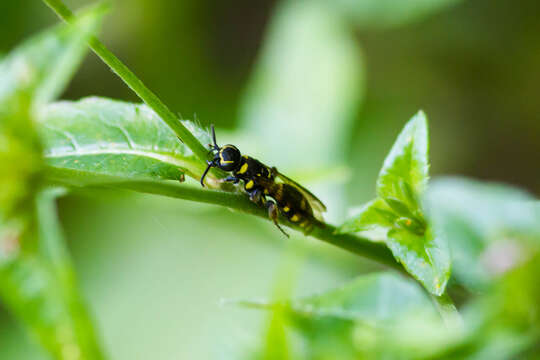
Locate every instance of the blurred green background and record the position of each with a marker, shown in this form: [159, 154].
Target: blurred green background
[154, 270]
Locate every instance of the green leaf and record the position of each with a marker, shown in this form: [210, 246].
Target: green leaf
[374, 215]
[397, 212]
[405, 169]
[399, 207]
[402, 180]
[424, 256]
[488, 227]
[97, 135]
[43, 65]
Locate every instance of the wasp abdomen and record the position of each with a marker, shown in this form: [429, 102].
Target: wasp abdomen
[292, 204]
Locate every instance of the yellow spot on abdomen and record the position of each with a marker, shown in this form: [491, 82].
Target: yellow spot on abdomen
[286, 208]
[249, 184]
[295, 218]
[243, 169]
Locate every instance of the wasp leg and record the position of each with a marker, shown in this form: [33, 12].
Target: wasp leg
[273, 214]
[256, 196]
[232, 179]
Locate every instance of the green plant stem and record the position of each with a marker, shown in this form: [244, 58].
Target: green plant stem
[322, 231]
[54, 250]
[135, 84]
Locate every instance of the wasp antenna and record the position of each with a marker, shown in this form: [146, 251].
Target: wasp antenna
[214, 136]
[210, 164]
[281, 229]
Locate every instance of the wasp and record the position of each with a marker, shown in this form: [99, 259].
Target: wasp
[287, 197]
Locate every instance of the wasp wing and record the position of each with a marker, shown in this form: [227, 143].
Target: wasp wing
[316, 204]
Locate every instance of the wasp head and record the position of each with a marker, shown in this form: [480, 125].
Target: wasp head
[226, 158]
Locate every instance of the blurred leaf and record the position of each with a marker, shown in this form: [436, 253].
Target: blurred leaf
[405, 169]
[38, 287]
[43, 65]
[388, 13]
[114, 138]
[500, 324]
[20, 156]
[34, 72]
[332, 324]
[518, 296]
[489, 227]
[34, 284]
[306, 86]
[31, 284]
[278, 342]
[370, 298]
[277, 346]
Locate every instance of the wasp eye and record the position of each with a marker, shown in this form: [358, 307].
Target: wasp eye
[229, 158]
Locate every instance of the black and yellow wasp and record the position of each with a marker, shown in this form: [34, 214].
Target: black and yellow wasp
[288, 197]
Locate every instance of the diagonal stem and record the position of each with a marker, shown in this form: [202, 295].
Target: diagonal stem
[135, 84]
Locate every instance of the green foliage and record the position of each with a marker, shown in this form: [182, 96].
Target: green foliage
[42, 65]
[385, 316]
[113, 138]
[489, 227]
[36, 281]
[33, 73]
[397, 214]
[20, 156]
[346, 323]
[39, 287]
[489, 233]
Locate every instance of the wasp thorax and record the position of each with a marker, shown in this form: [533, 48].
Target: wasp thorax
[229, 157]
